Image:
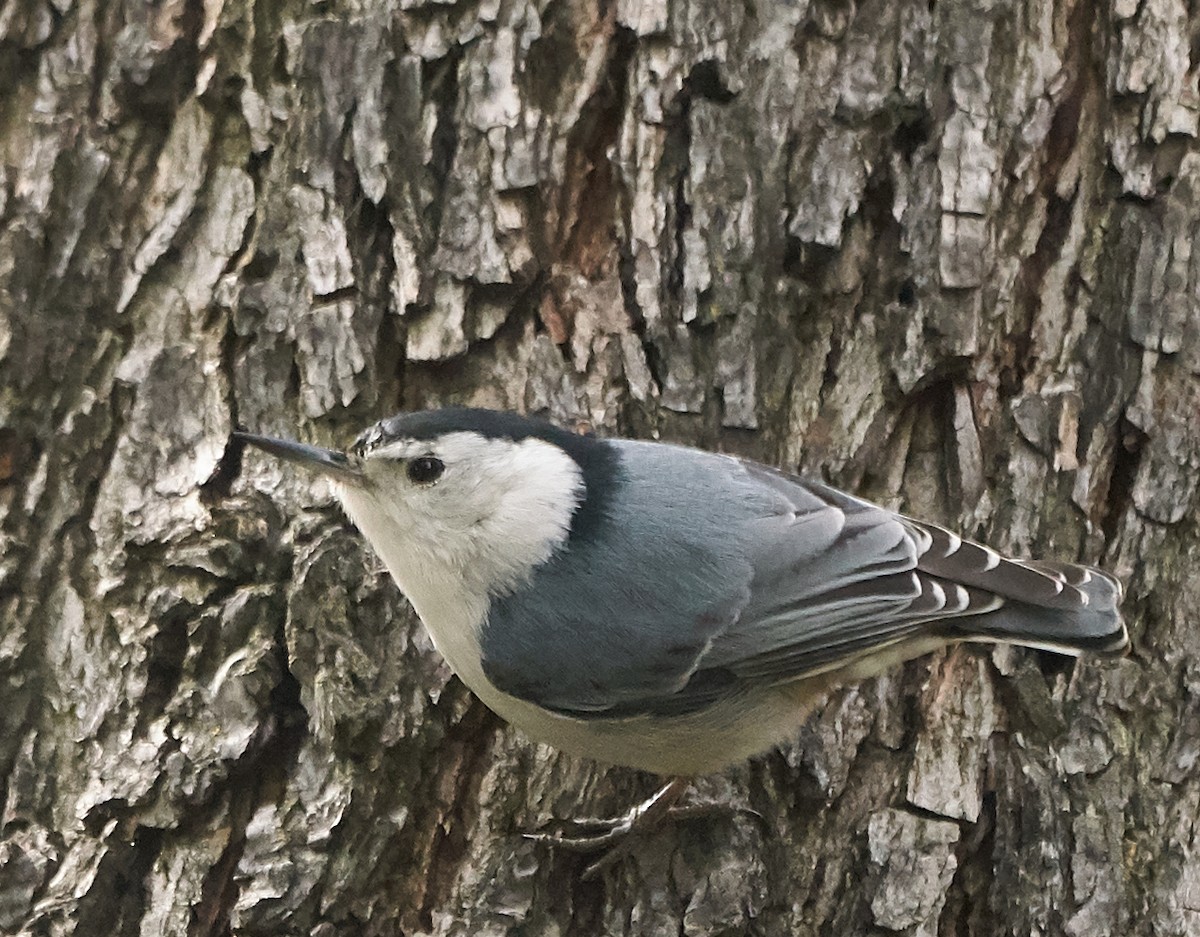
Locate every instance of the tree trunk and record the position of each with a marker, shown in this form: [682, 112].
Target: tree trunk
[941, 254]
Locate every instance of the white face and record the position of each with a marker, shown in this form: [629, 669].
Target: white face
[496, 510]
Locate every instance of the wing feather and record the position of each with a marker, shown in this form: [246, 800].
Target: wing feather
[885, 578]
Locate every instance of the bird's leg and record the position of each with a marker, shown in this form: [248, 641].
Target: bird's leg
[642, 818]
[618, 836]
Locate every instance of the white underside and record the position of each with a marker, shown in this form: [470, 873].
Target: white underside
[726, 733]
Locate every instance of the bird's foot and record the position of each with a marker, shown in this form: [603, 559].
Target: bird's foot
[616, 837]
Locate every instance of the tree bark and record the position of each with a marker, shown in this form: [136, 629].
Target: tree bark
[941, 254]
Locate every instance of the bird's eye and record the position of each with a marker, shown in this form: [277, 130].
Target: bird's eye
[425, 470]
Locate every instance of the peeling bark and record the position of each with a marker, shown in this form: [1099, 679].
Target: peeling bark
[941, 254]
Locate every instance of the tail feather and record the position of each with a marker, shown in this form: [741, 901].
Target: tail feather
[1095, 627]
[1063, 607]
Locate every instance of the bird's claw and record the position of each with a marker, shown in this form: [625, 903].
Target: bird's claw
[582, 844]
[617, 836]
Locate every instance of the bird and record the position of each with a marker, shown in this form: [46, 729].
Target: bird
[666, 608]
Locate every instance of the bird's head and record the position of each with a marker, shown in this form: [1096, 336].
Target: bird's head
[477, 495]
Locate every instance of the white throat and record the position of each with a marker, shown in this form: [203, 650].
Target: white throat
[501, 510]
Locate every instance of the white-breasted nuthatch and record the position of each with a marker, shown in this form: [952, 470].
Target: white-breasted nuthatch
[667, 608]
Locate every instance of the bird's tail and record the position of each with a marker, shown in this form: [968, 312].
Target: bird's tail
[1062, 607]
[1066, 625]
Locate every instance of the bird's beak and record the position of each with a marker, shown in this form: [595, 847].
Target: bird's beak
[327, 462]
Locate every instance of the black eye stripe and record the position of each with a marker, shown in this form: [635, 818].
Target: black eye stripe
[425, 469]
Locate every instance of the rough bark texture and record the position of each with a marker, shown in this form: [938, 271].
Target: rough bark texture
[942, 253]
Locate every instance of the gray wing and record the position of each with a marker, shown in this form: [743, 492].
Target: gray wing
[834, 577]
[837, 578]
